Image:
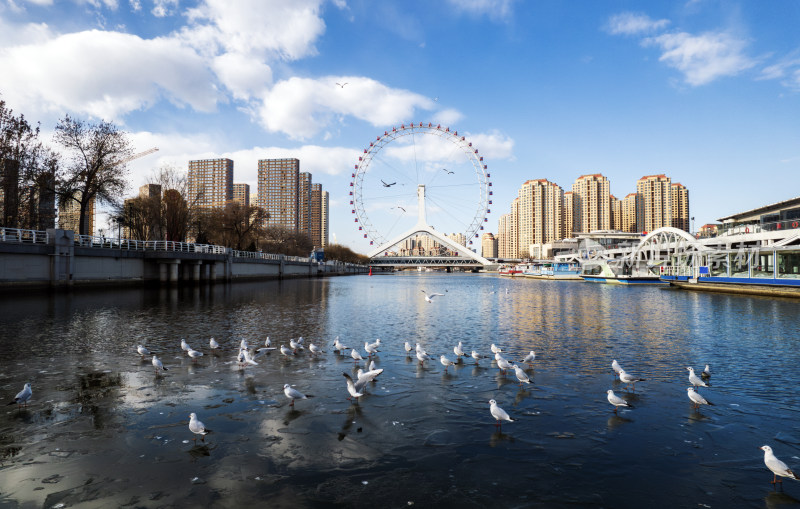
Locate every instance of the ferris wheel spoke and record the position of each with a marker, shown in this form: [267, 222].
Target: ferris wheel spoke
[397, 171]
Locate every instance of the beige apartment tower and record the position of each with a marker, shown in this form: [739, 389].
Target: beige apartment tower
[591, 203]
[680, 207]
[503, 234]
[488, 245]
[540, 214]
[304, 203]
[318, 216]
[278, 189]
[629, 213]
[615, 205]
[569, 210]
[654, 202]
[241, 194]
[69, 213]
[210, 182]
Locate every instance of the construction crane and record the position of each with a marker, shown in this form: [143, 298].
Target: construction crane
[134, 156]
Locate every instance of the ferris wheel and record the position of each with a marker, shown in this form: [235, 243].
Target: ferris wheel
[412, 159]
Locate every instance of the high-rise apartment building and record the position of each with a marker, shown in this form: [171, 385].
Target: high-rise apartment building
[628, 207]
[654, 202]
[304, 203]
[569, 210]
[503, 234]
[680, 207]
[540, 214]
[241, 194]
[325, 223]
[615, 206]
[278, 189]
[591, 203]
[488, 245]
[210, 182]
[513, 230]
[69, 213]
[316, 217]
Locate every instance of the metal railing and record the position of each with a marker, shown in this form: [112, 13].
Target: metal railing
[677, 270]
[755, 227]
[19, 236]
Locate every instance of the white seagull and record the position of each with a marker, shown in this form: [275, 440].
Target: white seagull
[314, 348]
[197, 427]
[286, 351]
[247, 358]
[212, 343]
[429, 298]
[268, 343]
[338, 345]
[185, 346]
[521, 376]
[371, 348]
[366, 376]
[142, 350]
[496, 349]
[293, 393]
[459, 351]
[695, 380]
[243, 345]
[475, 355]
[351, 388]
[706, 372]
[194, 354]
[158, 365]
[696, 398]
[446, 362]
[408, 348]
[628, 379]
[355, 355]
[504, 365]
[616, 367]
[529, 358]
[778, 467]
[617, 401]
[498, 413]
[296, 345]
[422, 356]
[23, 396]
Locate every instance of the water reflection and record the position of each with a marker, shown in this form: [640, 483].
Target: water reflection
[98, 407]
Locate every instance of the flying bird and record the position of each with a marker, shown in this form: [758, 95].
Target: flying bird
[341, 85]
[387, 185]
[398, 207]
[197, 427]
[448, 171]
[778, 467]
[351, 388]
[429, 298]
[23, 396]
[617, 401]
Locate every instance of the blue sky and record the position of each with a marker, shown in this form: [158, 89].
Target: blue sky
[707, 92]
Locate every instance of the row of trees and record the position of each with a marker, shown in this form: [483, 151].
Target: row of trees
[89, 168]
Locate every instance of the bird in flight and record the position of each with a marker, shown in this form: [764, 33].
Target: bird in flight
[399, 207]
[448, 171]
[387, 185]
[429, 298]
[341, 85]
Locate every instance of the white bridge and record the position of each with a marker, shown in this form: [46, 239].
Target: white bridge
[465, 258]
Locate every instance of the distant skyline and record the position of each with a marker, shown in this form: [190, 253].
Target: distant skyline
[706, 92]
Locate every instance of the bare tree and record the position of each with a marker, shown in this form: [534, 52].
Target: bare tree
[96, 167]
[237, 226]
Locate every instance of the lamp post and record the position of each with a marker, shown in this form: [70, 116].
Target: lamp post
[693, 232]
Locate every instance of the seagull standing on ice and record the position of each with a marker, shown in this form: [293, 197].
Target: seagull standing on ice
[356, 356]
[504, 365]
[496, 349]
[616, 367]
[185, 346]
[628, 379]
[498, 413]
[293, 393]
[338, 345]
[295, 345]
[778, 467]
[408, 348]
[446, 362]
[23, 396]
[422, 356]
[429, 298]
[696, 398]
[212, 343]
[617, 401]
[315, 349]
[706, 372]
[529, 358]
[521, 376]
[158, 365]
[286, 351]
[197, 427]
[459, 351]
[371, 348]
[695, 380]
[475, 355]
[194, 354]
[142, 350]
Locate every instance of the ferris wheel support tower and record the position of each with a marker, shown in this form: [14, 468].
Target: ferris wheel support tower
[422, 227]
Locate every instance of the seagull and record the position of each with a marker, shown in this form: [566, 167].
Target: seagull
[616, 367]
[341, 85]
[243, 345]
[446, 362]
[296, 345]
[408, 348]
[778, 467]
[212, 343]
[268, 343]
[286, 351]
[158, 365]
[372, 348]
[247, 358]
[496, 349]
[529, 358]
[387, 185]
[372, 365]
[142, 350]
[351, 388]
[194, 354]
[695, 380]
[448, 171]
[240, 358]
[293, 393]
[459, 351]
[363, 378]
[184, 346]
[398, 207]
[696, 398]
[429, 298]
[498, 413]
[628, 379]
[197, 427]
[422, 356]
[504, 365]
[521, 376]
[617, 401]
[314, 348]
[337, 345]
[356, 356]
[23, 396]
[706, 372]
[475, 355]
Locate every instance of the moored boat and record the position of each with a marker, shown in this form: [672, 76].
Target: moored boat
[624, 273]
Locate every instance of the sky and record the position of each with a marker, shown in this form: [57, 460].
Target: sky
[706, 92]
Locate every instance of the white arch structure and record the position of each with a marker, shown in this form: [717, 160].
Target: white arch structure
[664, 243]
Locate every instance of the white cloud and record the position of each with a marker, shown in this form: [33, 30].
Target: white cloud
[241, 75]
[136, 5]
[703, 58]
[286, 29]
[104, 74]
[631, 23]
[447, 117]
[164, 8]
[495, 9]
[302, 107]
[787, 71]
[493, 145]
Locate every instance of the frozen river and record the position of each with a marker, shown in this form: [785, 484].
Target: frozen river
[102, 430]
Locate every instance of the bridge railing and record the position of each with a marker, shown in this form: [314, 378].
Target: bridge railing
[19, 236]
